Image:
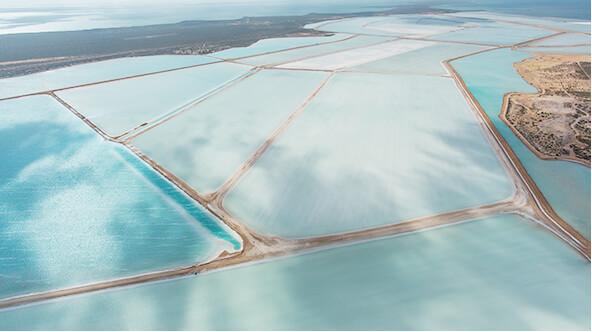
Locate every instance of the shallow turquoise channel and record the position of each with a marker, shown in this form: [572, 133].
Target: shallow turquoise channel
[500, 273]
[75, 209]
[566, 185]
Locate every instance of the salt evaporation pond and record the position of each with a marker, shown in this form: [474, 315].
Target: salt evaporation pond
[293, 55]
[357, 56]
[395, 25]
[423, 20]
[566, 185]
[469, 30]
[371, 150]
[204, 145]
[494, 33]
[549, 22]
[117, 107]
[421, 61]
[499, 273]
[352, 26]
[409, 29]
[558, 50]
[564, 40]
[75, 209]
[95, 72]
[275, 45]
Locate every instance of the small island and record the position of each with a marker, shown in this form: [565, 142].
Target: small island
[554, 123]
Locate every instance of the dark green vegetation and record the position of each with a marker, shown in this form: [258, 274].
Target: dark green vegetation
[22, 54]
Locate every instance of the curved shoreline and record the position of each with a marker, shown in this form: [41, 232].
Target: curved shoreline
[540, 155]
[540, 208]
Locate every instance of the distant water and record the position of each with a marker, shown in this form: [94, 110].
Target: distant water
[566, 185]
[75, 209]
[71, 15]
[36, 16]
[501, 273]
[579, 9]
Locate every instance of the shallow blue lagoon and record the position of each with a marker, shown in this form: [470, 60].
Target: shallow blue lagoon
[20, 17]
[293, 55]
[204, 145]
[276, 44]
[75, 209]
[494, 33]
[566, 185]
[565, 40]
[558, 50]
[120, 106]
[356, 25]
[537, 20]
[578, 9]
[370, 150]
[95, 72]
[426, 60]
[500, 273]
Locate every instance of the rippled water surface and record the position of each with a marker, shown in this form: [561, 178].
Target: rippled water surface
[344, 165]
[497, 273]
[75, 209]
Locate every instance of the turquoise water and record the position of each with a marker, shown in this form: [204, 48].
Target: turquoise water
[66, 15]
[405, 25]
[566, 185]
[563, 40]
[75, 209]
[61, 15]
[558, 50]
[494, 33]
[396, 25]
[422, 61]
[356, 26]
[371, 150]
[95, 72]
[549, 22]
[204, 145]
[425, 19]
[554, 45]
[276, 44]
[120, 106]
[348, 58]
[500, 273]
[293, 55]
[554, 10]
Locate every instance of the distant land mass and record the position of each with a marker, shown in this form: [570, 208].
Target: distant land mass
[28, 53]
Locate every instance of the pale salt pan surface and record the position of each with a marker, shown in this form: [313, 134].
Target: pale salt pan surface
[358, 56]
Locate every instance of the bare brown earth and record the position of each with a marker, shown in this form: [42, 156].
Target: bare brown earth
[554, 123]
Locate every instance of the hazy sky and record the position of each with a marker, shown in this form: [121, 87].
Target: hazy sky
[93, 3]
[29, 16]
